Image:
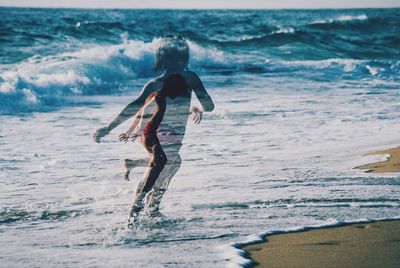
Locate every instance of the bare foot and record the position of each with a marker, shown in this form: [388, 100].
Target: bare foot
[127, 167]
[130, 164]
[126, 176]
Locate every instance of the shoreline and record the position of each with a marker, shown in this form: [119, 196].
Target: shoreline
[362, 244]
[355, 244]
[390, 165]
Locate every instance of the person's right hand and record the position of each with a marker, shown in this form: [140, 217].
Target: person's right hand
[124, 137]
[135, 135]
[100, 133]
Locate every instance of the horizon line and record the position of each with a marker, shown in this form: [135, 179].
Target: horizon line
[183, 8]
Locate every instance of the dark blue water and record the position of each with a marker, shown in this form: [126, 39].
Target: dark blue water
[47, 54]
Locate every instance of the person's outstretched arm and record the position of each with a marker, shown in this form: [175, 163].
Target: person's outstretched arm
[130, 110]
[207, 104]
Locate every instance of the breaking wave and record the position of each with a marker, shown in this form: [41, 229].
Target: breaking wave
[41, 83]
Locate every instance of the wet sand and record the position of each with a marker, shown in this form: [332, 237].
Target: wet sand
[357, 245]
[390, 165]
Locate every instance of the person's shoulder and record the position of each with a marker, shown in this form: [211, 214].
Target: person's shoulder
[191, 78]
[150, 87]
[190, 75]
[153, 84]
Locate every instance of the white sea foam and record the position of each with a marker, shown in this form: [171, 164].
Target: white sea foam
[350, 18]
[201, 55]
[344, 65]
[342, 18]
[372, 70]
[368, 159]
[30, 96]
[285, 30]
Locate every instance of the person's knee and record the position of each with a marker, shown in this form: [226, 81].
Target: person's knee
[159, 161]
[162, 161]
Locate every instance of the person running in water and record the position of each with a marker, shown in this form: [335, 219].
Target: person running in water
[173, 87]
[172, 57]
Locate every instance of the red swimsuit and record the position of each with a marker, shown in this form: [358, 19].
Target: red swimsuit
[150, 134]
[150, 129]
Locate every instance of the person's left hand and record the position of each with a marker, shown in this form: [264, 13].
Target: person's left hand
[197, 114]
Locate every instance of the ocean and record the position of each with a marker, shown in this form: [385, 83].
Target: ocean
[300, 96]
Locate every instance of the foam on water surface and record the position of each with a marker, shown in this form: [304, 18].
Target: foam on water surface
[294, 115]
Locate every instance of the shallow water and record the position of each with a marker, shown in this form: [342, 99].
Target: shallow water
[276, 153]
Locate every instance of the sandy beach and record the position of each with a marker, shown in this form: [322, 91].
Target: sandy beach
[390, 165]
[357, 245]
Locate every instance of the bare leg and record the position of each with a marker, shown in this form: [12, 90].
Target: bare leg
[154, 197]
[156, 165]
[129, 164]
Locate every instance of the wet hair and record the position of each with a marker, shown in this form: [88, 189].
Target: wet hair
[171, 48]
[175, 85]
